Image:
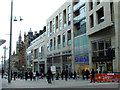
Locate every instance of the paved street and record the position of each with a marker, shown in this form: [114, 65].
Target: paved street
[42, 83]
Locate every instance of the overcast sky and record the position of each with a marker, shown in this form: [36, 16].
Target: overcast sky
[34, 14]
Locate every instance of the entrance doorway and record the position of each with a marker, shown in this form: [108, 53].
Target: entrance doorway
[101, 68]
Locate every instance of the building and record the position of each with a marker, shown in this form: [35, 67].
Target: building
[60, 38]
[81, 50]
[103, 32]
[20, 51]
[36, 54]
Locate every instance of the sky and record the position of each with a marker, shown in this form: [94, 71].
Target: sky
[34, 14]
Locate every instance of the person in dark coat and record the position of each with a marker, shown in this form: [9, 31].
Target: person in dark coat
[87, 74]
[31, 75]
[75, 75]
[57, 75]
[49, 76]
[92, 76]
[62, 74]
[37, 75]
[15, 74]
[83, 73]
[66, 74]
[26, 75]
[2, 72]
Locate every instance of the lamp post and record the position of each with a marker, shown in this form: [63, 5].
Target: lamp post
[10, 44]
[2, 67]
[9, 68]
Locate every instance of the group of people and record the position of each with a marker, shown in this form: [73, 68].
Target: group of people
[87, 73]
[26, 75]
[64, 74]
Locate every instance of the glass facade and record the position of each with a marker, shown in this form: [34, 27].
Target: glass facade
[81, 48]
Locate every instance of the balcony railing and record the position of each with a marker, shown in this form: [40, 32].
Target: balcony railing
[79, 32]
[78, 18]
[78, 5]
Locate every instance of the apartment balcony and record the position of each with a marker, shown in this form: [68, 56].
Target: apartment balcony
[79, 17]
[79, 32]
[78, 5]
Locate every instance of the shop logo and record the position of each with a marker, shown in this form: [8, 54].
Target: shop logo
[84, 59]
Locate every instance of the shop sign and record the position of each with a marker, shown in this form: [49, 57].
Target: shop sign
[84, 59]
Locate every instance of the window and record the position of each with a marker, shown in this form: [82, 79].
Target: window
[60, 21]
[35, 53]
[59, 40]
[91, 21]
[64, 18]
[56, 23]
[69, 37]
[98, 2]
[69, 15]
[112, 11]
[51, 45]
[48, 29]
[54, 43]
[90, 5]
[63, 39]
[48, 46]
[100, 14]
[100, 48]
[53, 25]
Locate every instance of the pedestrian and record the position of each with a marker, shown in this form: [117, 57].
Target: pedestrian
[57, 75]
[49, 76]
[34, 75]
[15, 75]
[92, 76]
[31, 75]
[26, 75]
[21, 75]
[62, 74]
[87, 74]
[75, 75]
[83, 73]
[37, 75]
[2, 72]
[66, 75]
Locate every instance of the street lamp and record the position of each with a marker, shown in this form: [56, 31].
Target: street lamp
[5, 57]
[10, 44]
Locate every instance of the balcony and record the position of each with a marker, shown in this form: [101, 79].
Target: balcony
[78, 18]
[78, 5]
[80, 31]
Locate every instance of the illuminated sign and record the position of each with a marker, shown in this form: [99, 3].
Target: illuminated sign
[84, 59]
